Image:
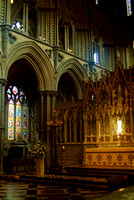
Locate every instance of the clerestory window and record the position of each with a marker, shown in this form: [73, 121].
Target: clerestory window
[17, 26]
[97, 2]
[18, 114]
[129, 8]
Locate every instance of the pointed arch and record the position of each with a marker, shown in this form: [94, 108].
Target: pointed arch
[40, 62]
[76, 71]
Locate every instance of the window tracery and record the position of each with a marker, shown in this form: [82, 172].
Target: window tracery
[18, 113]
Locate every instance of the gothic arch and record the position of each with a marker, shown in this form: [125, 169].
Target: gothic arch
[42, 67]
[76, 71]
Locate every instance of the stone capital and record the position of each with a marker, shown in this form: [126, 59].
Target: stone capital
[48, 92]
[3, 81]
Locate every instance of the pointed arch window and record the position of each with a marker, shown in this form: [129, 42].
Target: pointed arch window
[96, 50]
[129, 8]
[18, 114]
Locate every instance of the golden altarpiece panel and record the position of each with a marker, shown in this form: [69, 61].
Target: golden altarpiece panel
[110, 100]
[102, 125]
[108, 108]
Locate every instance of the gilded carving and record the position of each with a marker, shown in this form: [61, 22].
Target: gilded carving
[109, 100]
[109, 158]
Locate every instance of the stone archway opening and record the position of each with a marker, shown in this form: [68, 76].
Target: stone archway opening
[67, 91]
[22, 76]
[69, 113]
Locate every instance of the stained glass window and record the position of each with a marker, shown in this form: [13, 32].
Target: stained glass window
[129, 9]
[17, 26]
[18, 114]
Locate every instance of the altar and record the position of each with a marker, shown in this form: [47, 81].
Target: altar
[120, 158]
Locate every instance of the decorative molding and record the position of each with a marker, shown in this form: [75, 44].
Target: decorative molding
[86, 67]
[2, 12]
[60, 57]
[3, 82]
[47, 92]
[5, 34]
[12, 39]
[48, 52]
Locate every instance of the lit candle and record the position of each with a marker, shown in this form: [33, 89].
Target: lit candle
[119, 127]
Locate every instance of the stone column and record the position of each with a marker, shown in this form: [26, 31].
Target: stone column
[53, 96]
[101, 52]
[56, 50]
[75, 42]
[25, 16]
[5, 32]
[7, 13]
[51, 133]
[39, 31]
[66, 28]
[42, 112]
[46, 107]
[2, 116]
[73, 38]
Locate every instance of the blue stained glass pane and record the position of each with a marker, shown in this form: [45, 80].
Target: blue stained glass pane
[21, 98]
[21, 93]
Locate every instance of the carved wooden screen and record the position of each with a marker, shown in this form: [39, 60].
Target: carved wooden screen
[108, 107]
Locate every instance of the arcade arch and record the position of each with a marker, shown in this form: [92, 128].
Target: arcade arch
[75, 73]
[40, 62]
[28, 68]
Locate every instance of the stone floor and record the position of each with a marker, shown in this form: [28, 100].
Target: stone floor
[11, 190]
[121, 194]
[14, 190]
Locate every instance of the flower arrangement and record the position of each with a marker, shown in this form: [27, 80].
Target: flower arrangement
[39, 150]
